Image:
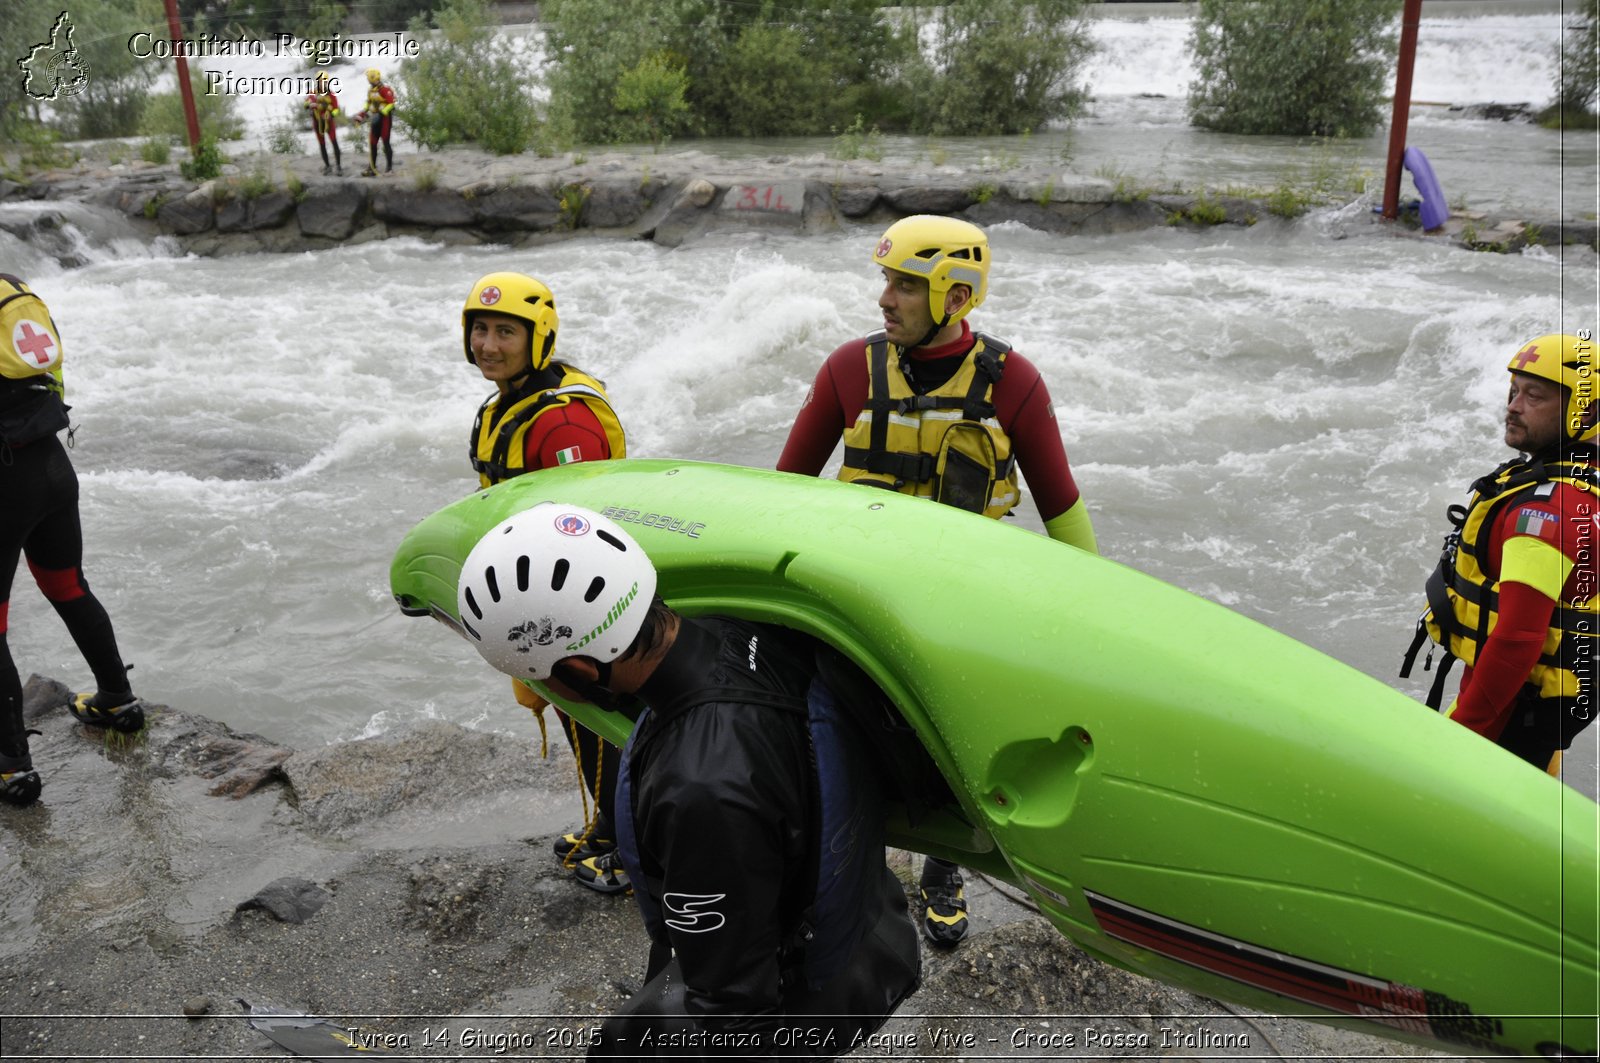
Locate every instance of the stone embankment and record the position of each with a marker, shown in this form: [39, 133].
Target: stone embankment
[277, 203]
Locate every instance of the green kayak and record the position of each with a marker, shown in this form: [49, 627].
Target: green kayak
[1184, 792]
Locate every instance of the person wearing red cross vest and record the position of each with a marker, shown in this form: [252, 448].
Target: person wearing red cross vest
[39, 521]
[1514, 596]
[926, 406]
[543, 413]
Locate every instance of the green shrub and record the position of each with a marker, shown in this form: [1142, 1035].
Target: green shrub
[157, 150]
[999, 66]
[205, 164]
[1294, 67]
[464, 86]
[112, 98]
[801, 67]
[651, 94]
[283, 136]
[1578, 72]
[857, 143]
[219, 119]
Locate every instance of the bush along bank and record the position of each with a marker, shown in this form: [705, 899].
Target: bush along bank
[268, 204]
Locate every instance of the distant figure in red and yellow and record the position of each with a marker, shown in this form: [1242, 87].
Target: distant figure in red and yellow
[379, 117]
[323, 106]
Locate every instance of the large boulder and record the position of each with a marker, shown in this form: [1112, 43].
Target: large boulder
[331, 210]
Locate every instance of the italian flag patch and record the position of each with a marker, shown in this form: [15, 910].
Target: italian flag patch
[568, 456]
[1535, 522]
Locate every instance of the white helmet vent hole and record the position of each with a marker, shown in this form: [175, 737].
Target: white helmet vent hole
[596, 585]
[524, 565]
[472, 603]
[611, 539]
[493, 582]
[471, 631]
[558, 575]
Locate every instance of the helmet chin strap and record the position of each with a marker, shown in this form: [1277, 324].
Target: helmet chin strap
[598, 691]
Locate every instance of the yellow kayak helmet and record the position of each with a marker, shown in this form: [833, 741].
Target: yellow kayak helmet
[520, 296]
[947, 251]
[1570, 362]
[374, 75]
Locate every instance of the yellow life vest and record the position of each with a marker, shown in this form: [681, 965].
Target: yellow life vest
[31, 387]
[30, 343]
[1463, 601]
[947, 444]
[498, 435]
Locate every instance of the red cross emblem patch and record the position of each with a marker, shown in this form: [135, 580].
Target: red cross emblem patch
[489, 296]
[37, 347]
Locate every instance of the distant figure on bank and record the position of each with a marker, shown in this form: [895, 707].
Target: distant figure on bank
[39, 519]
[1515, 596]
[926, 406]
[544, 413]
[323, 107]
[379, 117]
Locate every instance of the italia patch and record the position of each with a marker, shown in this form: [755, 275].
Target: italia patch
[1538, 523]
[568, 456]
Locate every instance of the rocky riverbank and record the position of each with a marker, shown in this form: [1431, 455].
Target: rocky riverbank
[275, 203]
[402, 886]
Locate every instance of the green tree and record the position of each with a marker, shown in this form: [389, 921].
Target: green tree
[465, 84]
[652, 94]
[750, 69]
[163, 116]
[1294, 67]
[1578, 76]
[113, 96]
[1000, 66]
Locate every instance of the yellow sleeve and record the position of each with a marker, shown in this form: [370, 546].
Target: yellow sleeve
[1535, 563]
[1073, 528]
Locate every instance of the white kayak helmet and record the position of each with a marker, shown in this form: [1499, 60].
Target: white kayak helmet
[551, 582]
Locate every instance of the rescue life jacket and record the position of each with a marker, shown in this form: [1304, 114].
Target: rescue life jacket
[1463, 601]
[31, 385]
[848, 837]
[946, 444]
[499, 432]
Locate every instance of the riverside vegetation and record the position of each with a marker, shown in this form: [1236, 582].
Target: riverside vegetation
[619, 71]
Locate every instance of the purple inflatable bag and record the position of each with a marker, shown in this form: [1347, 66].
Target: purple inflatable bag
[1434, 211]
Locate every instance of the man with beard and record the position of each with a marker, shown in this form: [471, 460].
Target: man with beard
[1514, 596]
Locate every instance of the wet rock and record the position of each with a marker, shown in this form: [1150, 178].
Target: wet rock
[930, 199]
[854, 201]
[288, 900]
[518, 208]
[195, 1007]
[266, 211]
[433, 765]
[433, 208]
[186, 215]
[331, 210]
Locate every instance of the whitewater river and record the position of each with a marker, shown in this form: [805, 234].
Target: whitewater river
[1274, 418]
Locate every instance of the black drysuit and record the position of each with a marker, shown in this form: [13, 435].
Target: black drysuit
[722, 834]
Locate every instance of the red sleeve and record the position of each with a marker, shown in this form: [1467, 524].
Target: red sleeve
[573, 429]
[834, 401]
[1489, 688]
[1022, 403]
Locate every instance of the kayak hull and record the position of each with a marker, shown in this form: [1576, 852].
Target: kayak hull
[1183, 791]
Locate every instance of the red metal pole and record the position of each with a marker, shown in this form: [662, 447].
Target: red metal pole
[175, 29]
[1402, 106]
